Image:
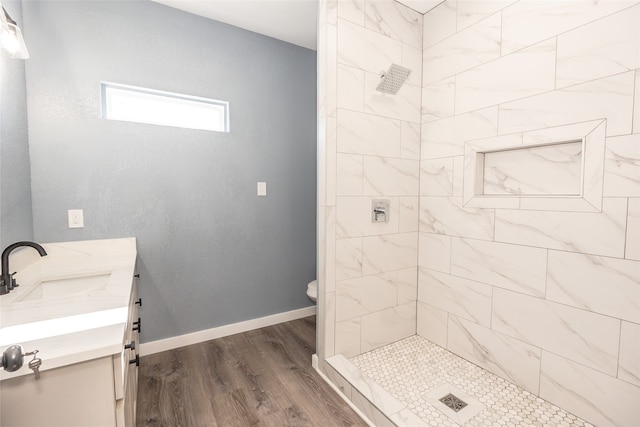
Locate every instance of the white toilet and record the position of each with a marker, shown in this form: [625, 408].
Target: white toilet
[312, 290]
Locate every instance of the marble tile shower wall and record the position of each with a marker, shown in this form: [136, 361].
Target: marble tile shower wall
[371, 151]
[549, 300]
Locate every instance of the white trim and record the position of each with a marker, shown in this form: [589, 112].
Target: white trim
[223, 331]
[156, 107]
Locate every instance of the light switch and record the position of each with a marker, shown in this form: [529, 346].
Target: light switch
[76, 218]
[262, 189]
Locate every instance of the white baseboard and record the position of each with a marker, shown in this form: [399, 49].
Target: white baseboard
[223, 331]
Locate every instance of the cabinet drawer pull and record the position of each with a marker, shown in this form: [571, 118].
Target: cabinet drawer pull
[132, 346]
[139, 302]
[136, 360]
[137, 326]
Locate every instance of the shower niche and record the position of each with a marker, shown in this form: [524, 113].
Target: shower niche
[559, 168]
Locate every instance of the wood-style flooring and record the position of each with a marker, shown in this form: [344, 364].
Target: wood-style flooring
[258, 378]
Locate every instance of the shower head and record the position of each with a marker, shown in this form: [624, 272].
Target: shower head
[391, 81]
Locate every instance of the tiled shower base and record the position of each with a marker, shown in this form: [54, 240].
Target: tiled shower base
[405, 380]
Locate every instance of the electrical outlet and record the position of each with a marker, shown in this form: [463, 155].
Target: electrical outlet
[262, 189]
[76, 218]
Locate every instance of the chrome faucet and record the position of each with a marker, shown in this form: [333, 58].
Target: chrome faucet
[7, 282]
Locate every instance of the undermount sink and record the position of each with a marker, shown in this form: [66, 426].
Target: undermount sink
[66, 286]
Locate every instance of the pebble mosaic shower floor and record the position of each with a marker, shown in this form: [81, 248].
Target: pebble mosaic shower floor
[416, 372]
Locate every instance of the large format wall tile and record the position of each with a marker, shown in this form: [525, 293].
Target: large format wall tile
[412, 59]
[610, 98]
[636, 105]
[602, 285]
[464, 298]
[407, 285]
[446, 137]
[592, 233]
[350, 88]
[528, 22]
[602, 48]
[365, 49]
[439, 23]
[364, 295]
[524, 73]
[434, 252]
[622, 166]
[629, 369]
[410, 140]
[436, 177]
[387, 326]
[517, 268]
[432, 324]
[394, 20]
[349, 174]
[348, 337]
[348, 258]
[352, 10]
[438, 100]
[588, 338]
[466, 49]
[632, 249]
[391, 177]
[389, 252]
[470, 12]
[409, 213]
[446, 215]
[360, 133]
[506, 357]
[599, 398]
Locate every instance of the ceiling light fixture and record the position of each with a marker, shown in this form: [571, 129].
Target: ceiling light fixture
[11, 38]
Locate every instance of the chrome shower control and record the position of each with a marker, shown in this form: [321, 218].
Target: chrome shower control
[380, 210]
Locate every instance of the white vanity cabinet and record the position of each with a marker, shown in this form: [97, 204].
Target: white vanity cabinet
[125, 367]
[95, 392]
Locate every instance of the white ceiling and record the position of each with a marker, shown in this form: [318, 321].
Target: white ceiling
[294, 21]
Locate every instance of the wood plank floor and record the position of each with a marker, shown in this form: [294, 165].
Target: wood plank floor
[258, 378]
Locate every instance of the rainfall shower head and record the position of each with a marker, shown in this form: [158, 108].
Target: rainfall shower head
[391, 81]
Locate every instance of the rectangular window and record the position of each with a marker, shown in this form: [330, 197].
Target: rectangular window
[141, 105]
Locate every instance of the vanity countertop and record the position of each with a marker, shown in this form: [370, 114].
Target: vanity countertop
[71, 305]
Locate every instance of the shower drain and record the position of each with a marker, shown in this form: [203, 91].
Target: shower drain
[453, 402]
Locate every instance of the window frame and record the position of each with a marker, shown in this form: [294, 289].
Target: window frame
[221, 106]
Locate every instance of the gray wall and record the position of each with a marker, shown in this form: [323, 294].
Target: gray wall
[15, 174]
[210, 252]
